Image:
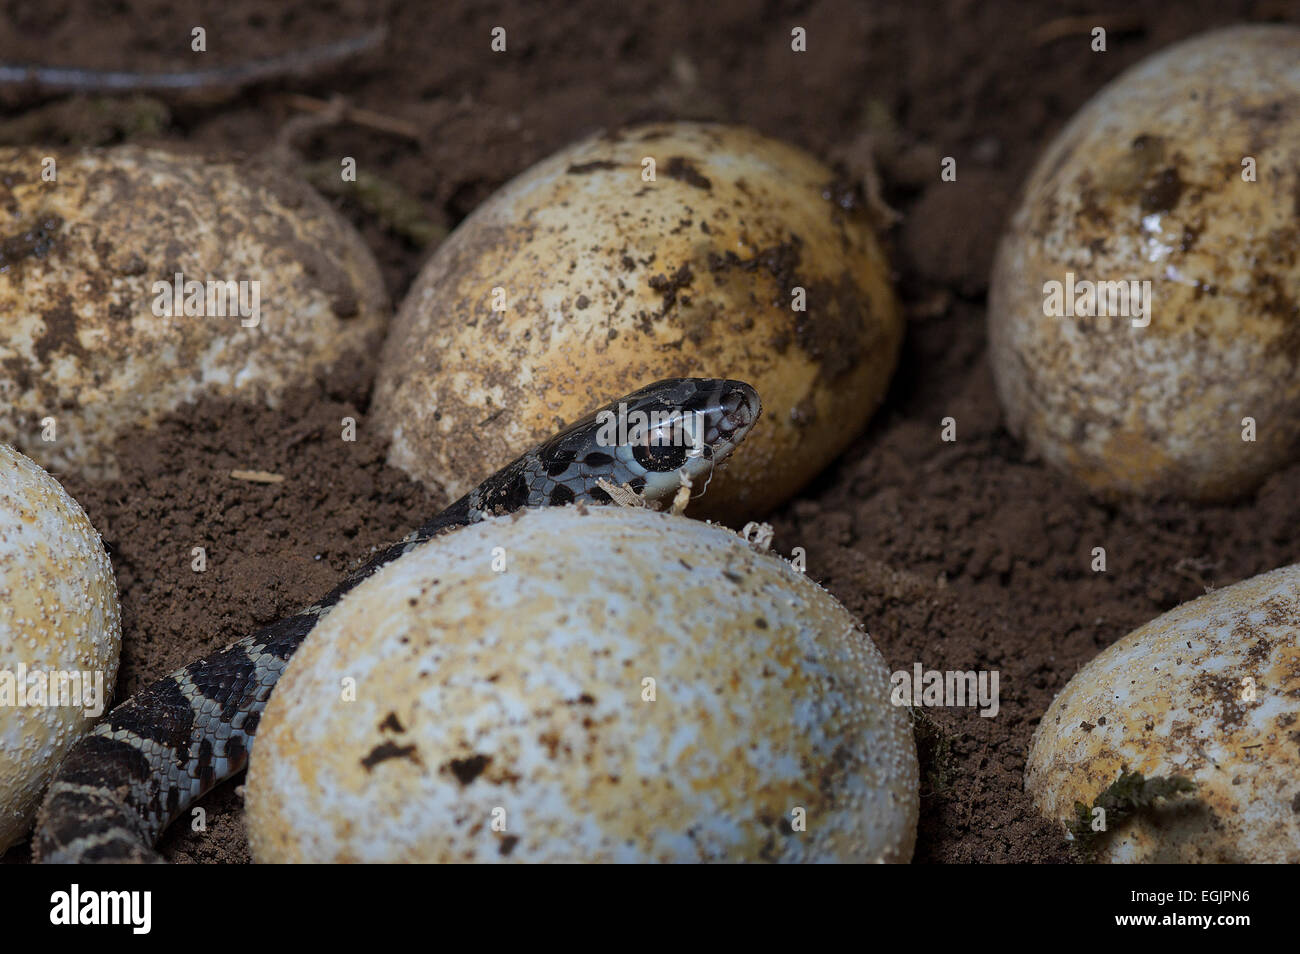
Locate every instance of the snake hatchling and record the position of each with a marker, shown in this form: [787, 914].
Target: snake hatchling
[169, 744]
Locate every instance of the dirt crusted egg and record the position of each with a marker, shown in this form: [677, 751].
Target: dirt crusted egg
[134, 280]
[1188, 726]
[60, 634]
[585, 278]
[1145, 303]
[585, 684]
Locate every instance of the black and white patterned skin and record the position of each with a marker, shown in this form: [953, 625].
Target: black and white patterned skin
[170, 743]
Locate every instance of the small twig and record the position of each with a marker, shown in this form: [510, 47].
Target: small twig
[398, 211]
[1070, 26]
[309, 432]
[258, 476]
[354, 114]
[283, 147]
[295, 62]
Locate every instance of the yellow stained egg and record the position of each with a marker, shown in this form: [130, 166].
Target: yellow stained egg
[60, 634]
[676, 249]
[134, 280]
[585, 685]
[1144, 313]
[1208, 693]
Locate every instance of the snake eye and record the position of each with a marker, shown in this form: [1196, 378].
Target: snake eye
[659, 458]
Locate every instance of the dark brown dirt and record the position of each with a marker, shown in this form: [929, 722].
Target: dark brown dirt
[959, 556]
[269, 548]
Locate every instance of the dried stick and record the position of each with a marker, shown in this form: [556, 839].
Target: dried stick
[295, 62]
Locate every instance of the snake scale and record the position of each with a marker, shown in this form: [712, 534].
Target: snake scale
[169, 744]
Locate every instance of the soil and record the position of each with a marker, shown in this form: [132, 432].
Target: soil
[965, 555]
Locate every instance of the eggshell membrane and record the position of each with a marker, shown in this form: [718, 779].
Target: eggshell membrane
[58, 613]
[1168, 699]
[612, 282]
[81, 342]
[1145, 183]
[522, 691]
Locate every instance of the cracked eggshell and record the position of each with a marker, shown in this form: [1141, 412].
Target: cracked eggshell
[521, 697]
[80, 255]
[1145, 184]
[611, 282]
[1171, 699]
[58, 614]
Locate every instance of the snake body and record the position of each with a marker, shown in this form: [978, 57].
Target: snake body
[169, 744]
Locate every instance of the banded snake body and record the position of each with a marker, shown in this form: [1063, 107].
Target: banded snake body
[172, 742]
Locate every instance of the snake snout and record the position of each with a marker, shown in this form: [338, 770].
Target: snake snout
[739, 406]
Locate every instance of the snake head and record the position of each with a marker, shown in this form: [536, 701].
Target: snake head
[654, 437]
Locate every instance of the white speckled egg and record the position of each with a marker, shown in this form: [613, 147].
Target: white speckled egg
[1210, 691]
[629, 686]
[87, 338]
[1152, 182]
[580, 281]
[60, 634]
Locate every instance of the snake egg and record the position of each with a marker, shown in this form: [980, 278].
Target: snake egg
[59, 633]
[1145, 303]
[136, 280]
[668, 250]
[1207, 694]
[584, 684]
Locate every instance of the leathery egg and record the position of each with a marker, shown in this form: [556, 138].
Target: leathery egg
[674, 249]
[60, 634]
[1210, 693]
[585, 684]
[1145, 302]
[133, 281]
